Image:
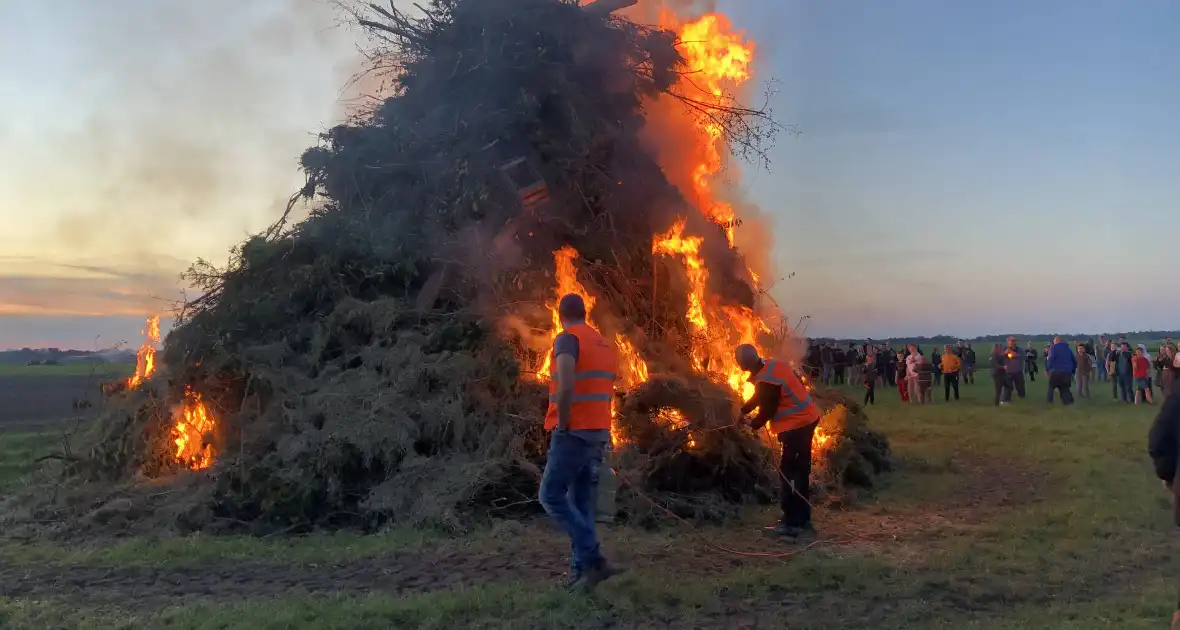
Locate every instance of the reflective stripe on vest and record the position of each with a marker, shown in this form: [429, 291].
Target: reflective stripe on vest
[594, 381]
[797, 411]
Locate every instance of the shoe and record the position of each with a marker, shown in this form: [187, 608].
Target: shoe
[571, 580]
[592, 577]
[792, 531]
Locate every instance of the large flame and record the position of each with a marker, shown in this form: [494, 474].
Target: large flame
[718, 59]
[145, 358]
[193, 427]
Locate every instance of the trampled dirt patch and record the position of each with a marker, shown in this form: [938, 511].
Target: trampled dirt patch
[531, 552]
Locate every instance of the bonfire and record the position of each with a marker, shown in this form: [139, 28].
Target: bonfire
[386, 358]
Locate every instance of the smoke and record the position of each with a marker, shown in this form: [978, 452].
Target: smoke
[186, 119]
[672, 134]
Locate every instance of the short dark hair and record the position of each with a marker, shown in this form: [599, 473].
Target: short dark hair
[571, 307]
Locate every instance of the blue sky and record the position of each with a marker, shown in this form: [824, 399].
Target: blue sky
[962, 167]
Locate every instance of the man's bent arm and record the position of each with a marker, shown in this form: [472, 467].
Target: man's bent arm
[565, 390]
[767, 396]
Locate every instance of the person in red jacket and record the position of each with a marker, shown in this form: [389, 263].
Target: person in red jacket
[1140, 368]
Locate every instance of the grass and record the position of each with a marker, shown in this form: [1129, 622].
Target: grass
[1082, 541]
[67, 369]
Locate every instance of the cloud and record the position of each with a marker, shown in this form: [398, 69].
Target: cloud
[36, 288]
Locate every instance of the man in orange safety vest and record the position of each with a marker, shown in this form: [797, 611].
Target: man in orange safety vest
[579, 416]
[784, 402]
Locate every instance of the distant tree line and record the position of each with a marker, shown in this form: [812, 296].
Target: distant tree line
[52, 356]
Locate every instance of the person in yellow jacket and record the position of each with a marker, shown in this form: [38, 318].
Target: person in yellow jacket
[579, 417]
[951, 365]
[784, 403]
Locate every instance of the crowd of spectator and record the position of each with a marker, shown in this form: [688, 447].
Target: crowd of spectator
[1133, 373]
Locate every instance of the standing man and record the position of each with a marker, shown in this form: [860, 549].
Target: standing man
[1163, 444]
[1030, 357]
[1060, 367]
[827, 361]
[579, 416]
[783, 401]
[1121, 369]
[951, 364]
[1013, 371]
[936, 362]
[968, 365]
[840, 360]
[1085, 371]
[1102, 353]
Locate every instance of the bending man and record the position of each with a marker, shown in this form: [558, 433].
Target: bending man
[579, 416]
[783, 401]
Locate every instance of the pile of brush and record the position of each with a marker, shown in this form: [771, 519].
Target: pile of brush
[366, 364]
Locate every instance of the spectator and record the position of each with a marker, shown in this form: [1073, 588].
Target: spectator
[997, 367]
[1141, 367]
[870, 384]
[936, 363]
[968, 365]
[899, 369]
[811, 361]
[1150, 361]
[827, 363]
[1085, 371]
[1120, 371]
[890, 374]
[1014, 371]
[911, 375]
[951, 364]
[1030, 362]
[855, 365]
[925, 370]
[1103, 356]
[1171, 371]
[1161, 362]
[839, 363]
[1060, 366]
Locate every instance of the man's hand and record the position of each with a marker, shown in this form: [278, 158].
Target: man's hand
[1168, 484]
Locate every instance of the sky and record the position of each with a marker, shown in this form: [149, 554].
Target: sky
[961, 167]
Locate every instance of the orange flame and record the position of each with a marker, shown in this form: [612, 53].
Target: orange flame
[190, 434]
[717, 58]
[145, 358]
[567, 282]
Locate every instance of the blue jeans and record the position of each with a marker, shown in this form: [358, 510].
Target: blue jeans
[1101, 370]
[569, 490]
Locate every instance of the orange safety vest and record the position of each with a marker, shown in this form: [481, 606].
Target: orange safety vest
[795, 407]
[594, 382]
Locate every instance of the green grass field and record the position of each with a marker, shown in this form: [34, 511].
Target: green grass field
[68, 369]
[1028, 516]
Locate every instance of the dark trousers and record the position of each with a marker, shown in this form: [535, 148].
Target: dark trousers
[1060, 381]
[1032, 374]
[1000, 380]
[969, 375]
[937, 376]
[1126, 385]
[950, 381]
[840, 375]
[871, 392]
[1014, 382]
[795, 474]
